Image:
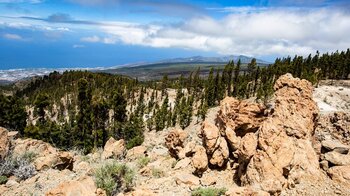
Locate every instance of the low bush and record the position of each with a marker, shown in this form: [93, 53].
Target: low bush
[3, 179]
[157, 173]
[143, 161]
[209, 191]
[114, 177]
[19, 166]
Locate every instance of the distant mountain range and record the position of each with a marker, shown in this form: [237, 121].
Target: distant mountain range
[167, 66]
[198, 59]
[223, 59]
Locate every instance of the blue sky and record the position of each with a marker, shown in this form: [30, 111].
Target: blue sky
[92, 33]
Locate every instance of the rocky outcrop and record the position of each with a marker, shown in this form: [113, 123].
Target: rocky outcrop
[272, 146]
[174, 141]
[285, 152]
[4, 143]
[46, 156]
[113, 148]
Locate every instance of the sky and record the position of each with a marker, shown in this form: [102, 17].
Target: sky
[103, 33]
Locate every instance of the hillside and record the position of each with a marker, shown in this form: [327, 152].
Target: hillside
[180, 66]
[238, 156]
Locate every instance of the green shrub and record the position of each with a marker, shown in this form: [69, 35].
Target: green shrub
[157, 173]
[208, 191]
[3, 179]
[114, 177]
[143, 161]
[136, 141]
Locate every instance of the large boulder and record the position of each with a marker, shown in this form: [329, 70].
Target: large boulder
[46, 156]
[215, 145]
[4, 143]
[284, 139]
[340, 173]
[84, 186]
[174, 141]
[247, 147]
[240, 116]
[113, 148]
[136, 152]
[210, 137]
[199, 160]
[187, 179]
[337, 159]
[220, 156]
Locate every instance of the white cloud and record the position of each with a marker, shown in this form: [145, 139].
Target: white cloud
[91, 39]
[12, 36]
[282, 31]
[78, 46]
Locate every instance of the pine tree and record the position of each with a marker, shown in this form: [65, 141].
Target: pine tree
[236, 77]
[84, 116]
[41, 103]
[210, 89]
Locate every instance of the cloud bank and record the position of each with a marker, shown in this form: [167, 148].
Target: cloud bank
[267, 31]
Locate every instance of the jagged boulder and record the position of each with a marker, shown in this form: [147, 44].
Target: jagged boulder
[215, 145]
[4, 143]
[285, 139]
[199, 160]
[241, 117]
[247, 147]
[210, 137]
[220, 156]
[113, 148]
[174, 141]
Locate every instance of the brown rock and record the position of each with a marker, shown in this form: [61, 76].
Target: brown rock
[136, 152]
[188, 179]
[188, 151]
[245, 191]
[174, 141]
[247, 147]
[221, 154]
[65, 161]
[285, 139]
[337, 159]
[232, 139]
[12, 135]
[210, 135]
[199, 160]
[240, 116]
[46, 155]
[4, 143]
[335, 145]
[141, 192]
[340, 173]
[113, 148]
[183, 163]
[208, 180]
[84, 186]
